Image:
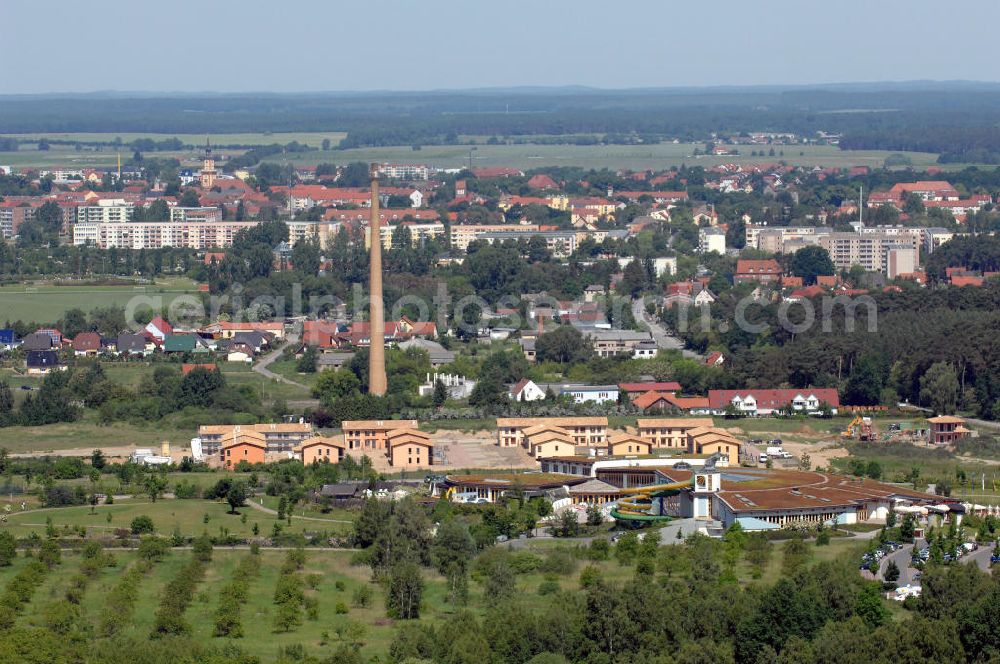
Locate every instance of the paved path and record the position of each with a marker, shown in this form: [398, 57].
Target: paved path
[260, 366]
[268, 510]
[661, 335]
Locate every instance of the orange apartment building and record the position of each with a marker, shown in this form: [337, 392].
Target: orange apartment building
[319, 449]
[670, 432]
[280, 437]
[371, 434]
[584, 431]
[237, 446]
[409, 448]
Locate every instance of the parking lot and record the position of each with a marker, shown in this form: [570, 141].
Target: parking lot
[910, 575]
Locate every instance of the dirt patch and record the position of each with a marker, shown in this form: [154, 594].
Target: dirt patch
[820, 453]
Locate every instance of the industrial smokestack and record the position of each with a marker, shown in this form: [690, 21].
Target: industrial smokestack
[377, 382]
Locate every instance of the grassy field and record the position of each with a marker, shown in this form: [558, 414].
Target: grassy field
[659, 156]
[170, 515]
[46, 302]
[87, 435]
[527, 156]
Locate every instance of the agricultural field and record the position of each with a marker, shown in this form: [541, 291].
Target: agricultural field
[332, 581]
[659, 156]
[47, 302]
[524, 156]
[310, 138]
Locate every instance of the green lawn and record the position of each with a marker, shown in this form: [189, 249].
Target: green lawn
[46, 303]
[168, 515]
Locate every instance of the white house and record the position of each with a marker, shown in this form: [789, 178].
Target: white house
[526, 390]
[704, 297]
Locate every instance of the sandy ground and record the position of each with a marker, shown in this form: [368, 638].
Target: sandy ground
[821, 448]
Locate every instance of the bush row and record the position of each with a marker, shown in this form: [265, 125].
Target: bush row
[120, 602]
[177, 596]
[234, 595]
[289, 592]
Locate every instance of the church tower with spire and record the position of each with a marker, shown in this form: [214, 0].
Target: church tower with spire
[208, 172]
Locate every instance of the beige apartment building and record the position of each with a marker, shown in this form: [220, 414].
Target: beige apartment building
[670, 432]
[585, 431]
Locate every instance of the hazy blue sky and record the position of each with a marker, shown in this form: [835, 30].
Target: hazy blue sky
[309, 45]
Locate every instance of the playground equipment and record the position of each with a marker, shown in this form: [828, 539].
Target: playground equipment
[862, 425]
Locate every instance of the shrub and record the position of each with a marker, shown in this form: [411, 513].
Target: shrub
[548, 587]
[50, 554]
[203, 548]
[362, 597]
[8, 548]
[153, 548]
[142, 525]
[590, 576]
[341, 608]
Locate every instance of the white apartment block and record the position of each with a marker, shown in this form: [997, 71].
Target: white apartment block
[711, 239]
[195, 214]
[869, 250]
[463, 234]
[154, 235]
[405, 171]
[559, 243]
[419, 233]
[110, 211]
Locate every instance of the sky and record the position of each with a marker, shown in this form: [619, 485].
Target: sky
[336, 45]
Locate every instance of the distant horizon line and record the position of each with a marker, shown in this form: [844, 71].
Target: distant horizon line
[908, 85]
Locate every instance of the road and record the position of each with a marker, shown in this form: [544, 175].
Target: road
[260, 366]
[661, 335]
[268, 510]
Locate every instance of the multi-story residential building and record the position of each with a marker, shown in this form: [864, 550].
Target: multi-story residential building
[868, 249]
[585, 431]
[405, 171]
[107, 211]
[711, 239]
[608, 343]
[279, 437]
[463, 234]
[419, 232]
[154, 235]
[670, 433]
[372, 434]
[195, 214]
[900, 260]
[559, 243]
[934, 238]
[757, 271]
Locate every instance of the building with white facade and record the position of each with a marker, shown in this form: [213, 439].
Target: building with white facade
[154, 235]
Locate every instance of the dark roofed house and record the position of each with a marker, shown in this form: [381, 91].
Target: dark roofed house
[254, 340]
[131, 344]
[87, 343]
[41, 362]
[7, 338]
[37, 341]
